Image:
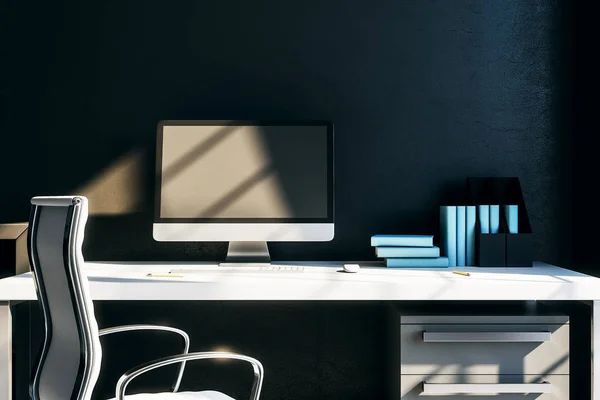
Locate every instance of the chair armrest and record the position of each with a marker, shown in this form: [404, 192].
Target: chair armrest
[128, 328]
[127, 377]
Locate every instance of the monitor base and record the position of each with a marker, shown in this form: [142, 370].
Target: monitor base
[247, 253]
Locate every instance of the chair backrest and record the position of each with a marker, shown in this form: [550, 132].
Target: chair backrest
[69, 362]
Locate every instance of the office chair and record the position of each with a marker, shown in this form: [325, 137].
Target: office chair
[69, 363]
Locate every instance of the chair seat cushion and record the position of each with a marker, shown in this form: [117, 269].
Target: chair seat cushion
[204, 395]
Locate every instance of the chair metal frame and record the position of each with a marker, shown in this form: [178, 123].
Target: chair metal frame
[75, 225]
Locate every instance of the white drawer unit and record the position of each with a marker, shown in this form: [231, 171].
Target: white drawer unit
[497, 357]
[484, 349]
[496, 387]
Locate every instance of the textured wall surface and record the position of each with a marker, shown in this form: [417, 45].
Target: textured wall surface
[586, 141]
[422, 94]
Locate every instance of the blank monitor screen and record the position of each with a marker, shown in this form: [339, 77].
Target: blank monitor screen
[239, 172]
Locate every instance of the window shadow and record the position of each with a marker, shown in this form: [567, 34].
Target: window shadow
[238, 192]
[197, 152]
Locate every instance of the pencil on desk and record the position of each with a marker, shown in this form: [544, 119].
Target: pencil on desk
[461, 273]
[164, 276]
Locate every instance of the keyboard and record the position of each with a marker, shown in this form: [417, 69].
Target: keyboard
[249, 268]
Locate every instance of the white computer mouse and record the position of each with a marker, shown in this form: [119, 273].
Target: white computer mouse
[351, 267]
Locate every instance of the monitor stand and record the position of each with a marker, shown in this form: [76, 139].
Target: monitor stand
[247, 253]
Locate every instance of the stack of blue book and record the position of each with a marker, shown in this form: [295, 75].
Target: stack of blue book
[458, 229]
[457, 234]
[408, 251]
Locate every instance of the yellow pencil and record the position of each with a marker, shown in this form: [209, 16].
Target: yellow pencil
[461, 273]
[165, 276]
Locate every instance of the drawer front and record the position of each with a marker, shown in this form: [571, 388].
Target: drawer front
[505, 387]
[484, 349]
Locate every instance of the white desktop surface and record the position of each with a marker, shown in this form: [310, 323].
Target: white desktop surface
[128, 281]
[322, 281]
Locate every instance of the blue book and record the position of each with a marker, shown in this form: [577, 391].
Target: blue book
[461, 236]
[415, 252]
[402, 240]
[470, 233]
[494, 219]
[484, 218]
[512, 218]
[448, 233]
[440, 262]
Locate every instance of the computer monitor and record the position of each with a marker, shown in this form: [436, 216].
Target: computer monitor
[245, 182]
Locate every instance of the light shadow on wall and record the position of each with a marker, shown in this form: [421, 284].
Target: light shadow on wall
[120, 188]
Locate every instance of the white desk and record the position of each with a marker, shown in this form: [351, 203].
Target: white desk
[318, 281]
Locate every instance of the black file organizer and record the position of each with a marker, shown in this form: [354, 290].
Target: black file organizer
[502, 249]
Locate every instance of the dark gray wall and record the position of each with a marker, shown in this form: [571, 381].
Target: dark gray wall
[586, 141]
[422, 94]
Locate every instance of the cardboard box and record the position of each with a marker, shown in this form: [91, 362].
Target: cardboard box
[13, 249]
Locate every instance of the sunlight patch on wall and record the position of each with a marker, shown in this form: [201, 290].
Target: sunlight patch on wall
[119, 188]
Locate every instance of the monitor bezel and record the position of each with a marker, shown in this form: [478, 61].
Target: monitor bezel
[158, 173]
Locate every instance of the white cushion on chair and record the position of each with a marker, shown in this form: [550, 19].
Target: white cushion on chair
[204, 395]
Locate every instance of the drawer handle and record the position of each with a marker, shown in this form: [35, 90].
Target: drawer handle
[485, 388]
[485, 337]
